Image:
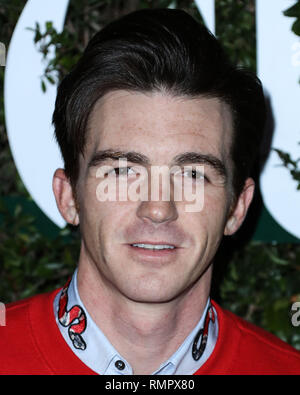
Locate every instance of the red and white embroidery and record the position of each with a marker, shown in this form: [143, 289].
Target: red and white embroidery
[198, 351]
[74, 318]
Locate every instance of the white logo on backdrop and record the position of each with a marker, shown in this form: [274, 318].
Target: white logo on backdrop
[28, 111]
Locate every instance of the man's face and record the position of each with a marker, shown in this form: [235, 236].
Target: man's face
[157, 130]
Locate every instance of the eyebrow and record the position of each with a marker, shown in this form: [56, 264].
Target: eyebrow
[204, 159]
[180, 159]
[131, 156]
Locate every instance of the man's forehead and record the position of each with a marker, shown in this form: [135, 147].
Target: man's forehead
[134, 119]
[130, 105]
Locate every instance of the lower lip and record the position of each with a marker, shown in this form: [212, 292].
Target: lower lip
[151, 253]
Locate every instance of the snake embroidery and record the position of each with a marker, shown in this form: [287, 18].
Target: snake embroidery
[197, 352]
[74, 319]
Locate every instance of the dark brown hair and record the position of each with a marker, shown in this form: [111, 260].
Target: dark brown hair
[161, 49]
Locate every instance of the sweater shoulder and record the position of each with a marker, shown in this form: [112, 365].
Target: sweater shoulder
[261, 352]
[19, 351]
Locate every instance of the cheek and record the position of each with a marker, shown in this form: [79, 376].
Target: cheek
[103, 223]
[88, 204]
[92, 213]
[209, 223]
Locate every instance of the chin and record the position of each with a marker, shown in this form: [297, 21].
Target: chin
[150, 298]
[154, 291]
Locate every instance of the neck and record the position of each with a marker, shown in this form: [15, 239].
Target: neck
[135, 329]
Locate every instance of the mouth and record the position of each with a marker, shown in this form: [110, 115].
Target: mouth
[152, 250]
[155, 247]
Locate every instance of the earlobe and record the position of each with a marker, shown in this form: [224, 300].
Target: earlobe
[64, 197]
[230, 226]
[240, 210]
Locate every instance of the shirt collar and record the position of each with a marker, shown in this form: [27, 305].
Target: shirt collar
[93, 348]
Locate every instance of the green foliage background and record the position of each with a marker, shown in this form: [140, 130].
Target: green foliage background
[258, 281]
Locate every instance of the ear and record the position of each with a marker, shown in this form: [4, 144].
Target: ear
[238, 213]
[64, 197]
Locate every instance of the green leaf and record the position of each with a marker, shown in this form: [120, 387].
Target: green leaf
[18, 210]
[49, 26]
[50, 79]
[293, 11]
[43, 86]
[37, 37]
[296, 27]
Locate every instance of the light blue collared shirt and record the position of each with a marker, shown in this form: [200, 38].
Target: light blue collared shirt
[100, 356]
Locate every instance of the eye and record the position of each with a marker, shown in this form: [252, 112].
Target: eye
[124, 171]
[194, 174]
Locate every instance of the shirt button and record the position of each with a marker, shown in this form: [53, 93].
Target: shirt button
[120, 365]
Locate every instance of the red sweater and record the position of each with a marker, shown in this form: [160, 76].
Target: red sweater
[31, 343]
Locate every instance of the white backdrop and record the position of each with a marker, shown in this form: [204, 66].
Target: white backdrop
[28, 110]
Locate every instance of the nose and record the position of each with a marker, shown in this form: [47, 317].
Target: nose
[159, 207]
[157, 211]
